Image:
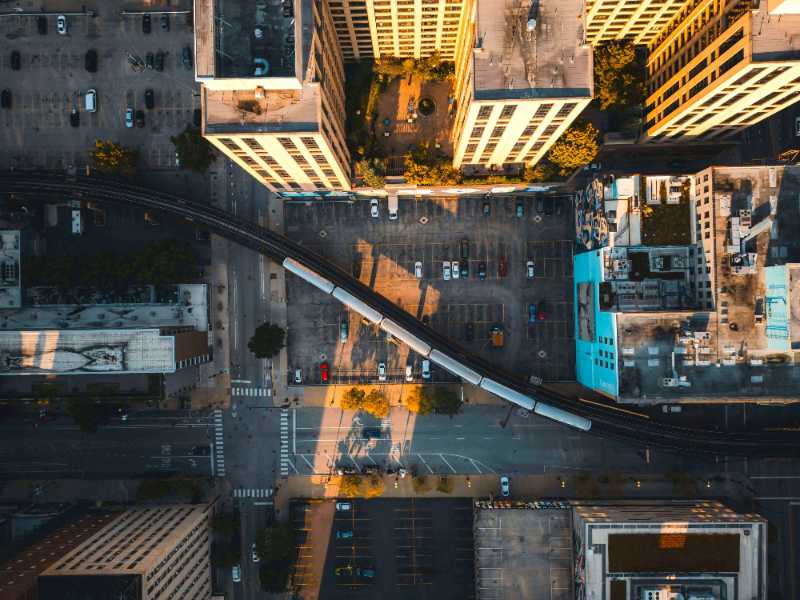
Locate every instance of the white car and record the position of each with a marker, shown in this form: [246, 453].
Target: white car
[446, 270]
[298, 376]
[236, 572]
[381, 371]
[418, 269]
[343, 506]
[409, 373]
[426, 369]
[505, 487]
[129, 118]
[456, 270]
[529, 269]
[61, 25]
[373, 208]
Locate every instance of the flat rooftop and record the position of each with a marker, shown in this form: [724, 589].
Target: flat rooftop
[513, 62]
[231, 111]
[86, 352]
[523, 553]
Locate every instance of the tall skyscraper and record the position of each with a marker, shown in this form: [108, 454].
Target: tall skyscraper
[639, 21]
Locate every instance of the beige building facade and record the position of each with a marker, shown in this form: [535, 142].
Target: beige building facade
[161, 552]
[637, 20]
[519, 85]
[276, 105]
[720, 67]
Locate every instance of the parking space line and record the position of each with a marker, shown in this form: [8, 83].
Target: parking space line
[426, 464]
[447, 463]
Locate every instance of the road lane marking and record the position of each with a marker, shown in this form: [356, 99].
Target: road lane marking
[447, 463]
[310, 466]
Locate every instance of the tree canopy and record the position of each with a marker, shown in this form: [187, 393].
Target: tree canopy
[375, 402]
[427, 399]
[88, 415]
[267, 340]
[194, 152]
[113, 159]
[576, 147]
[618, 75]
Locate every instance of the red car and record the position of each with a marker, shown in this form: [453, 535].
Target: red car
[323, 371]
[541, 314]
[503, 269]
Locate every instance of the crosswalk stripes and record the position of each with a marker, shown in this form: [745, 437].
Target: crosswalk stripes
[284, 442]
[252, 493]
[251, 392]
[219, 444]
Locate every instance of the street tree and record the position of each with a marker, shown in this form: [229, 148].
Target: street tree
[376, 403]
[576, 147]
[110, 158]
[193, 151]
[267, 340]
[353, 399]
[350, 485]
[88, 415]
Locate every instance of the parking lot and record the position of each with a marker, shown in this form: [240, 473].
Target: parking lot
[384, 549]
[52, 80]
[383, 253]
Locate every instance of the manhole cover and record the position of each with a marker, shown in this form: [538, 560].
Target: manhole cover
[323, 234]
[423, 220]
[323, 357]
[537, 219]
[542, 354]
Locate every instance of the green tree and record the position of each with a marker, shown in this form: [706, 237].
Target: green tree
[426, 165]
[88, 415]
[419, 402]
[444, 485]
[420, 484]
[350, 485]
[370, 173]
[193, 151]
[618, 75]
[376, 403]
[374, 487]
[113, 159]
[446, 401]
[353, 399]
[267, 341]
[427, 399]
[576, 147]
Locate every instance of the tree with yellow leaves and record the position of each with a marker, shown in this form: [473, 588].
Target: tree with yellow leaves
[111, 158]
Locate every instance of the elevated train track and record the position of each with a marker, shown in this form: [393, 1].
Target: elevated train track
[601, 420]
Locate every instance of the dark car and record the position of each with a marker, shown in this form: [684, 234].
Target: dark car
[149, 60]
[149, 99]
[464, 269]
[5, 99]
[520, 212]
[147, 25]
[74, 118]
[16, 60]
[531, 313]
[469, 332]
[196, 117]
[464, 249]
[539, 204]
[371, 432]
[482, 271]
[165, 22]
[502, 268]
[541, 313]
[41, 25]
[548, 206]
[139, 117]
[90, 61]
[487, 209]
[186, 57]
[159, 61]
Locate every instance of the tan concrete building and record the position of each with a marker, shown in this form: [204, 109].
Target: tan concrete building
[148, 553]
[273, 91]
[639, 20]
[719, 67]
[519, 83]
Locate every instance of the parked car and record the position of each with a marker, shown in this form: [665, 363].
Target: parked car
[426, 369]
[342, 506]
[5, 99]
[502, 267]
[149, 99]
[381, 371]
[344, 330]
[418, 269]
[324, 371]
[61, 25]
[487, 209]
[164, 22]
[236, 573]
[298, 376]
[90, 61]
[505, 487]
[346, 570]
[367, 573]
[186, 57]
[409, 373]
[371, 433]
[16, 60]
[139, 116]
[149, 60]
[530, 269]
[456, 270]
[446, 270]
[146, 24]
[464, 246]
[74, 117]
[344, 535]
[531, 313]
[520, 208]
[498, 337]
[254, 554]
[90, 100]
[373, 208]
[469, 331]
[41, 25]
[539, 204]
[159, 60]
[541, 313]
[482, 271]
[260, 67]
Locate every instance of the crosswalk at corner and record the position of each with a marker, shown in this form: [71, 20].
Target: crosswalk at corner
[251, 392]
[219, 444]
[252, 493]
[284, 442]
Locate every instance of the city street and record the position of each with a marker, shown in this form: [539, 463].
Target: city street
[147, 443]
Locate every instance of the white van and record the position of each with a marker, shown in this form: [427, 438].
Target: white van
[90, 100]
